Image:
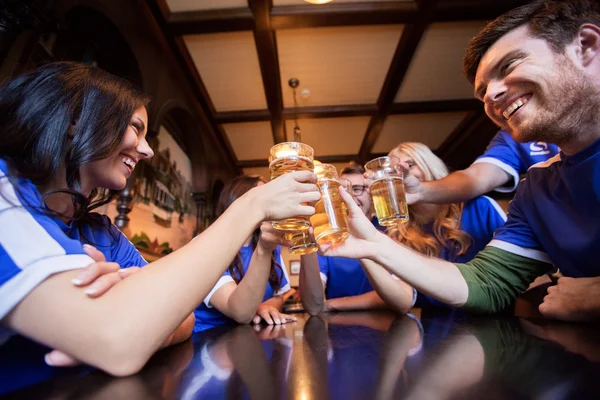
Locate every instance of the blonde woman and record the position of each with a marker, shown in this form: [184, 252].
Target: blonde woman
[452, 232]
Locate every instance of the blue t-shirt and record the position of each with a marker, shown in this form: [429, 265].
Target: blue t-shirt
[515, 158]
[480, 218]
[208, 317]
[555, 215]
[34, 246]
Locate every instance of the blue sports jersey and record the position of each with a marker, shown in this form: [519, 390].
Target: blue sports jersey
[208, 317]
[34, 246]
[515, 158]
[555, 215]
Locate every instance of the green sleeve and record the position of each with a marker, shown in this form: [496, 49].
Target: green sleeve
[496, 277]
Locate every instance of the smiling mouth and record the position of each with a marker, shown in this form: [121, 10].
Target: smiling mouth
[515, 106]
[128, 161]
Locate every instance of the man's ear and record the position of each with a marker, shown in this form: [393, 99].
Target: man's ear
[588, 43]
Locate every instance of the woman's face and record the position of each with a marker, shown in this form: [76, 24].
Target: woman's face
[112, 172]
[414, 168]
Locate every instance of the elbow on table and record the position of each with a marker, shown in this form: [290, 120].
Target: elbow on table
[120, 353]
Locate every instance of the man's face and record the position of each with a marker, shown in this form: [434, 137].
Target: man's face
[533, 92]
[360, 192]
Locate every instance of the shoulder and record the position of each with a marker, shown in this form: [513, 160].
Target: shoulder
[483, 206]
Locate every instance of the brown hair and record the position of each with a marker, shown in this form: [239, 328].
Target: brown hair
[353, 169]
[233, 190]
[556, 21]
[446, 225]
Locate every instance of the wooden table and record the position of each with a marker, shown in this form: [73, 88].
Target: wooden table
[352, 355]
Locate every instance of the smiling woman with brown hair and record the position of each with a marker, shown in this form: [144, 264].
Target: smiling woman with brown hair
[70, 136]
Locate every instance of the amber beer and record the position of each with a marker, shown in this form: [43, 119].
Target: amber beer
[301, 243]
[389, 200]
[387, 190]
[285, 158]
[330, 221]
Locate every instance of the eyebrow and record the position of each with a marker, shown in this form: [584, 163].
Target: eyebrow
[511, 55]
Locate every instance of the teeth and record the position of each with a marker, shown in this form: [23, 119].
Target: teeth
[128, 161]
[514, 107]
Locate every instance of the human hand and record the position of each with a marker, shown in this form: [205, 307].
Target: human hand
[270, 237]
[100, 276]
[412, 185]
[362, 234]
[271, 315]
[97, 278]
[286, 196]
[573, 299]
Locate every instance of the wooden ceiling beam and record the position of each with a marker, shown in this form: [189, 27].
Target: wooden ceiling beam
[409, 41]
[350, 110]
[212, 21]
[268, 59]
[231, 117]
[334, 14]
[435, 106]
[473, 10]
[378, 13]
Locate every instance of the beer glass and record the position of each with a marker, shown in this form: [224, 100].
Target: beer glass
[330, 221]
[301, 243]
[386, 184]
[289, 157]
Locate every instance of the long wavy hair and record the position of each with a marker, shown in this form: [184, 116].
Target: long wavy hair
[59, 117]
[233, 190]
[446, 225]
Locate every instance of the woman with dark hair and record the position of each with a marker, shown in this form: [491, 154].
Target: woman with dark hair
[256, 281]
[70, 136]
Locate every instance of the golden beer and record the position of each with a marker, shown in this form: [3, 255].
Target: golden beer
[389, 200]
[330, 221]
[301, 243]
[285, 158]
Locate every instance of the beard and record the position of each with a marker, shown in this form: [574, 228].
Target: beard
[569, 107]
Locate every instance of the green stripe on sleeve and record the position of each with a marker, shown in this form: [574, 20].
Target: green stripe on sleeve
[496, 277]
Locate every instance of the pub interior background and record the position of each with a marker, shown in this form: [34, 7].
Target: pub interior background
[369, 74]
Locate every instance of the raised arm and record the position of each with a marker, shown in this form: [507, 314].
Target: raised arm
[119, 331]
[457, 187]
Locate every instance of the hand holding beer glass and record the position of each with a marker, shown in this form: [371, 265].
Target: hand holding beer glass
[285, 158]
[330, 221]
[386, 184]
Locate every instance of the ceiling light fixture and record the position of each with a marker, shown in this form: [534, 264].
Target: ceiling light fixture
[293, 82]
[318, 1]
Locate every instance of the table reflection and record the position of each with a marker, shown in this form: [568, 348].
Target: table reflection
[358, 355]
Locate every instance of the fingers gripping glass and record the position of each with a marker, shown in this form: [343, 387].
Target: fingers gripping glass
[285, 158]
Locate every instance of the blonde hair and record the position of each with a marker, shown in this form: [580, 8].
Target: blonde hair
[446, 225]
